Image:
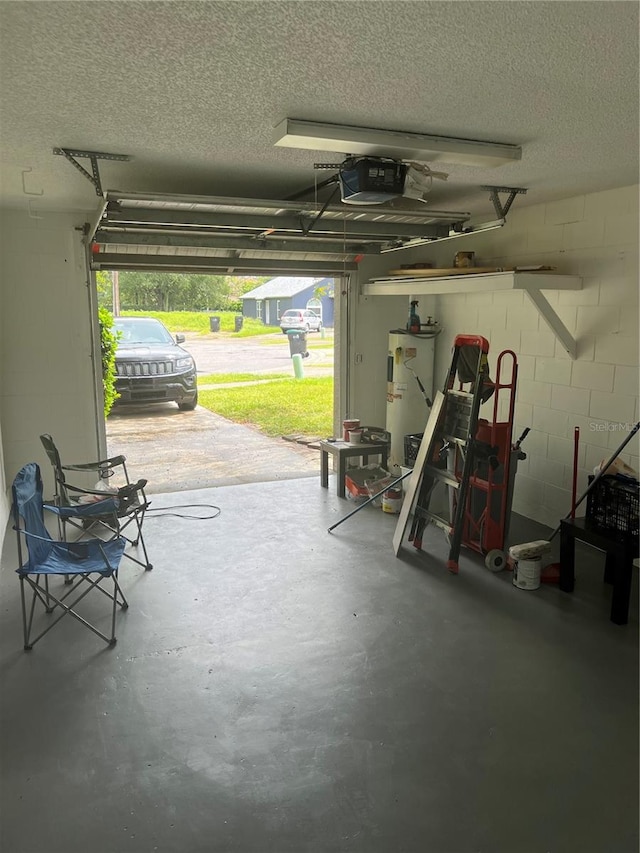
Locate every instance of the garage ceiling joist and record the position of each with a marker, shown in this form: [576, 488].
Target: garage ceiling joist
[214, 233]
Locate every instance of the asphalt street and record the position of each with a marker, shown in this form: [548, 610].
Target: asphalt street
[259, 354]
[177, 451]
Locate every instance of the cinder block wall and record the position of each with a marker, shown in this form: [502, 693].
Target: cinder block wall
[596, 237]
[4, 497]
[46, 369]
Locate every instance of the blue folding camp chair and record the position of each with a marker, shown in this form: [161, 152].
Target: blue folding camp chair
[112, 511]
[88, 563]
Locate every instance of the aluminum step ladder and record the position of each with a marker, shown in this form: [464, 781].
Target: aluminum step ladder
[446, 452]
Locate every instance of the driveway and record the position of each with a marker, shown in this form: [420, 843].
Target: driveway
[177, 451]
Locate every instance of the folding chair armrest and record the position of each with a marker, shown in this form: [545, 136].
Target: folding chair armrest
[112, 462]
[26, 533]
[117, 493]
[54, 542]
[82, 491]
[78, 550]
[132, 498]
[107, 505]
[100, 492]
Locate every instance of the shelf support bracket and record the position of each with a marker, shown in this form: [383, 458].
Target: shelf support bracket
[553, 321]
[93, 156]
[500, 209]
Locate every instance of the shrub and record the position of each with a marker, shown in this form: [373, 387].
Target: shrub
[108, 346]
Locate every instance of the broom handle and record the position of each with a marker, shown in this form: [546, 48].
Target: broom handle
[372, 498]
[576, 439]
[600, 473]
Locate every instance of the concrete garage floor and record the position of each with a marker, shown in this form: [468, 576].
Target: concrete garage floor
[276, 689]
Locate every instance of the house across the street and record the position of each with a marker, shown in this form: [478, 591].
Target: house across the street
[269, 301]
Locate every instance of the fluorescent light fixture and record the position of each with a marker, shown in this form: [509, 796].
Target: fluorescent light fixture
[424, 241]
[296, 133]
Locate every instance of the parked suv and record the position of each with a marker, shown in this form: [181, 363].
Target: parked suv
[301, 320]
[151, 367]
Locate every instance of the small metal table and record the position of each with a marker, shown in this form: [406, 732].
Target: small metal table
[343, 451]
[621, 550]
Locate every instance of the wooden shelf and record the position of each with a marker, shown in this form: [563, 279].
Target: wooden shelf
[531, 282]
[470, 283]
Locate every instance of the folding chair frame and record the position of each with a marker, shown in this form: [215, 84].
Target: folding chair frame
[127, 505]
[44, 555]
[45, 596]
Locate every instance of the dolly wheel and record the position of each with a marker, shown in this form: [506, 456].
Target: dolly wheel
[495, 560]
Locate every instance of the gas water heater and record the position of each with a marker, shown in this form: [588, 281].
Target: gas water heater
[409, 366]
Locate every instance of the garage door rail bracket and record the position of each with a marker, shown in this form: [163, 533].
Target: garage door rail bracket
[94, 156]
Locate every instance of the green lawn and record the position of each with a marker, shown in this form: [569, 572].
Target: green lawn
[197, 321]
[287, 406]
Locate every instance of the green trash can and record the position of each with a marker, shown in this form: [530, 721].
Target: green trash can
[214, 324]
[239, 321]
[297, 343]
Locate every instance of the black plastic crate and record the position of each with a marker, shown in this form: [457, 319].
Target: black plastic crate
[613, 504]
[411, 448]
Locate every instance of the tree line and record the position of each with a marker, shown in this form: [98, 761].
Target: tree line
[167, 291]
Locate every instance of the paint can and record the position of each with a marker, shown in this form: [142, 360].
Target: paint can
[349, 425]
[526, 573]
[355, 436]
[392, 500]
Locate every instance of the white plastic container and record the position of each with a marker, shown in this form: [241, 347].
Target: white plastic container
[405, 483]
[526, 573]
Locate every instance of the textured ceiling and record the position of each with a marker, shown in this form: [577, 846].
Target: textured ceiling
[192, 91]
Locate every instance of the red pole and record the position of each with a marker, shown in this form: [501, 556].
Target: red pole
[576, 439]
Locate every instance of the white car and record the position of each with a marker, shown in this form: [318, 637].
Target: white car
[300, 320]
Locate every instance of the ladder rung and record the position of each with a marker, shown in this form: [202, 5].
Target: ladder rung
[443, 475]
[443, 523]
[464, 395]
[483, 485]
[455, 439]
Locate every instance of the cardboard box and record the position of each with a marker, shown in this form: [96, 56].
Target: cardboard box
[355, 480]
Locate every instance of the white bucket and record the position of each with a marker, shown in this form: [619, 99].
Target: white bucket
[526, 573]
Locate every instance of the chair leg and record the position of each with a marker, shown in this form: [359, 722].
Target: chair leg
[68, 609]
[116, 528]
[48, 607]
[62, 535]
[68, 581]
[124, 605]
[121, 601]
[148, 566]
[139, 540]
[27, 646]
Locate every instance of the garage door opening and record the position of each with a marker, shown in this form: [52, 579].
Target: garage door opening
[264, 382]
